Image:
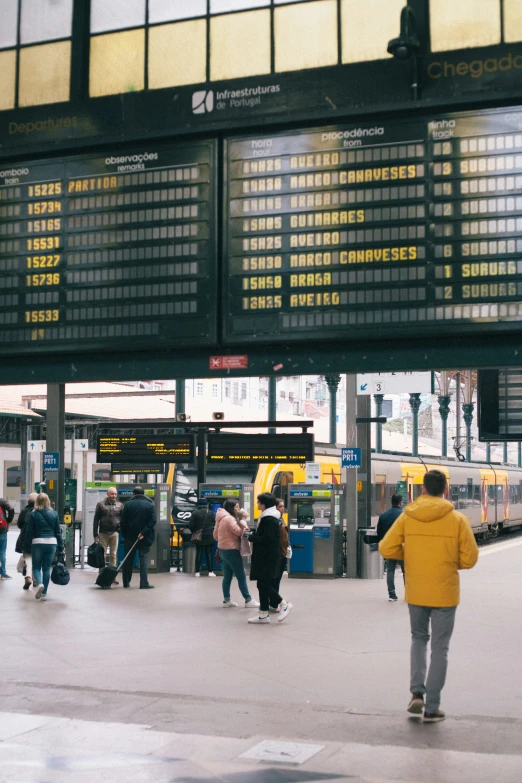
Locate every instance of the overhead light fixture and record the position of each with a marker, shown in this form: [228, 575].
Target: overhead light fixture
[182, 417]
[218, 416]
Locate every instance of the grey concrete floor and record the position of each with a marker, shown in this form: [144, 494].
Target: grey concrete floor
[167, 685]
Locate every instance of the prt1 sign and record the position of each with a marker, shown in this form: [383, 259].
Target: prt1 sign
[351, 457]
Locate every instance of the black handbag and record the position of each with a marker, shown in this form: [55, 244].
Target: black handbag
[19, 546]
[95, 555]
[60, 574]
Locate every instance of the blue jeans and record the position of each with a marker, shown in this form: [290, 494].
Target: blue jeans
[3, 553]
[43, 556]
[233, 566]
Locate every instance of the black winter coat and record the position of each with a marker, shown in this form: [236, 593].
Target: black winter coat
[139, 516]
[266, 555]
[23, 519]
[207, 521]
[386, 521]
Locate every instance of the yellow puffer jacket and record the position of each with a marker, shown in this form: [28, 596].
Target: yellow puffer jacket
[434, 541]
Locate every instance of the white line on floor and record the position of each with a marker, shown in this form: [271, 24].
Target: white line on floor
[491, 550]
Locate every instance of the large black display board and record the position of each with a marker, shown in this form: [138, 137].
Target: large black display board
[374, 230]
[114, 251]
[260, 448]
[145, 449]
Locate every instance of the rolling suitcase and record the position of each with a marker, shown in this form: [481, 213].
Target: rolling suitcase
[108, 574]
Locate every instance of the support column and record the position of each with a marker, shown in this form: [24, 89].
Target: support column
[444, 409]
[272, 402]
[180, 400]
[415, 403]
[519, 450]
[488, 452]
[505, 454]
[332, 381]
[467, 410]
[458, 393]
[364, 474]
[56, 442]
[349, 478]
[379, 399]
[25, 476]
[202, 457]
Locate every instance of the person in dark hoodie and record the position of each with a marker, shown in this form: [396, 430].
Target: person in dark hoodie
[138, 519]
[6, 517]
[385, 522]
[203, 520]
[266, 560]
[435, 542]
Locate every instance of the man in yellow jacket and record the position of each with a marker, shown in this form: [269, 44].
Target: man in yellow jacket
[435, 541]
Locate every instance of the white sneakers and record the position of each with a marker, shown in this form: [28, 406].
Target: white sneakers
[252, 604]
[211, 573]
[228, 604]
[283, 610]
[197, 573]
[260, 619]
[39, 592]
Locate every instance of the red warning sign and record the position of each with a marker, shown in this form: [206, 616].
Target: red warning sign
[228, 362]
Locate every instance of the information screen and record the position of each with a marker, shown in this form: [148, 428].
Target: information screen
[376, 229]
[146, 449]
[500, 405]
[260, 448]
[114, 251]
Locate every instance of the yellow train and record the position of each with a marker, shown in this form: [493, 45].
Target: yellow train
[490, 495]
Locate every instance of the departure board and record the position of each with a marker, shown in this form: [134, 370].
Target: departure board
[111, 251]
[145, 449]
[260, 448]
[375, 230]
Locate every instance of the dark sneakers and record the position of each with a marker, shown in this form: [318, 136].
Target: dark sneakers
[392, 597]
[434, 717]
[416, 705]
[147, 587]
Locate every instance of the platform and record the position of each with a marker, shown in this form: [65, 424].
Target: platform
[165, 685]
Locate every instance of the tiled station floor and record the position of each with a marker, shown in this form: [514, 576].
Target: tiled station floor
[165, 685]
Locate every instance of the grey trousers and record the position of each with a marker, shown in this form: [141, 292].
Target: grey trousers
[442, 623]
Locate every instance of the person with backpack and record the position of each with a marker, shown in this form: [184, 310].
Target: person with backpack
[42, 537]
[386, 520]
[266, 560]
[6, 517]
[201, 525]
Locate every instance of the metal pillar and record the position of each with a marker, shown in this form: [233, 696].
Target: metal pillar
[467, 410]
[272, 402]
[332, 381]
[379, 399]
[350, 480]
[488, 452]
[519, 450]
[505, 454]
[415, 403]
[25, 471]
[444, 409]
[364, 475]
[73, 444]
[458, 391]
[56, 442]
[180, 400]
[202, 457]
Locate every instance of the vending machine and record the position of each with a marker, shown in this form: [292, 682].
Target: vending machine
[315, 513]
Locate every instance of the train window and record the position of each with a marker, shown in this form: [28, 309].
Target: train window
[476, 496]
[454, 495]
[281, 481]
[417, 491]
[500, 493]
[470, 489]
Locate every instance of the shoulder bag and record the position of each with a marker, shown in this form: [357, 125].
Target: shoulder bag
[197, 535]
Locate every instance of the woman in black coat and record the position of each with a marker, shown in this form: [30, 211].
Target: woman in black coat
[23, 519]
[203, 520]
[266, 559]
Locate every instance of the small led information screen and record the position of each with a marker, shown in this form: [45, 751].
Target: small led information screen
[373, 230]
[113, 251]
[146, 449]
[500, 405]
[260, 448]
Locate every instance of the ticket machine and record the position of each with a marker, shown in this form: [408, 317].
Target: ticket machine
[159, 494]
[216, 494]
[315, 527]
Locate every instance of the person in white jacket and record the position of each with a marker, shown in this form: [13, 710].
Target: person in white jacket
[230, 527]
